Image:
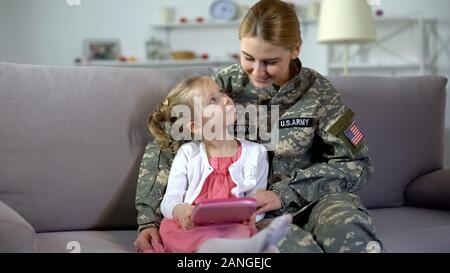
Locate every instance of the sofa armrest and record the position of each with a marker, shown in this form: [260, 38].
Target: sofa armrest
[431, 190]
[16, 234]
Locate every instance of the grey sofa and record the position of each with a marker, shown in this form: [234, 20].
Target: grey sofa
[71, 140]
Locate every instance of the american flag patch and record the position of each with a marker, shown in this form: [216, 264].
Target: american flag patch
[354, 134]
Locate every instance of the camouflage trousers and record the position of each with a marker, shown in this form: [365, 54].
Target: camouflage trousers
[336, 223]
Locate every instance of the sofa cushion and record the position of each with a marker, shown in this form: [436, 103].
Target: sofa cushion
[410, 229]
[16, 234]
[431, 190]
[86, 241]
[403, 121]
[71, 141]
[402, 229]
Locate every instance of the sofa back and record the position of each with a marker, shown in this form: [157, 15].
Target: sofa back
[71, 141]
[71, 138]
[403, 121]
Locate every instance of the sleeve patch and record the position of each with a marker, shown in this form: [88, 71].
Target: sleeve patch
[353, 134]
[346, 129]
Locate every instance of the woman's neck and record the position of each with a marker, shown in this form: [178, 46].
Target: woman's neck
[291, 73]
[218, 148]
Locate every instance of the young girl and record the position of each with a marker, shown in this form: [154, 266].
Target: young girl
[218, 166]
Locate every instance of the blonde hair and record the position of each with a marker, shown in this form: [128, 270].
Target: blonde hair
[161, 119]
[274, 21]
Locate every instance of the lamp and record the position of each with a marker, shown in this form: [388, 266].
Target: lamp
[345, 22]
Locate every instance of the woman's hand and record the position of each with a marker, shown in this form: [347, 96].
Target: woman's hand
[267, 201]
[145, 238]
[183, 212]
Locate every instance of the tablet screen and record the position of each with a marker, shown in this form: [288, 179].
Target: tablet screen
[223, 211]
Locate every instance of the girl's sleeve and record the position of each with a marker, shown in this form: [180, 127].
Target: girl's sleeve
[262, 171]
[177, 183]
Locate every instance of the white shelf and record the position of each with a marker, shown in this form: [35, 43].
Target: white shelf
[337, 66]
[165, 63]
[235, 23]
[214, 24]
[399, 19]
[206, 24]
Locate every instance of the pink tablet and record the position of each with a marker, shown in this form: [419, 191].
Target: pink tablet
[223, 211]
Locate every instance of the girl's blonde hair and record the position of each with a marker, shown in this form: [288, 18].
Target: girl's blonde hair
[160, 121]
[274, 21]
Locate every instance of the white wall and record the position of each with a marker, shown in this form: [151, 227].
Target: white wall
[51, 32]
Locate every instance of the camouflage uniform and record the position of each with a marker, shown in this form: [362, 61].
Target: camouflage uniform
[314, 168]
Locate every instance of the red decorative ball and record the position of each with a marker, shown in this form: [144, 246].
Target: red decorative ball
[183, 20]
[205, 56]
[200, 19]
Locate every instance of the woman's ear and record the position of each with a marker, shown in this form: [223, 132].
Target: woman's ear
[295, 52]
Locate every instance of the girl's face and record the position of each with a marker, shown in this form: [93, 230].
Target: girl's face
[265, 63]
[218, 109]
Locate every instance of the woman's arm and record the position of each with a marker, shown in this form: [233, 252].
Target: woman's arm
[340, 165]
[151, 185]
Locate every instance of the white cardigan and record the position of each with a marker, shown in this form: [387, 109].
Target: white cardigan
[191, 167]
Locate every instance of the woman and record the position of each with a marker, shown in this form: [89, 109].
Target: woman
[215, 167]
[319, 157]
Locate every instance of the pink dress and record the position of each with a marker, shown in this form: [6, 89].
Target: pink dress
[217, 185]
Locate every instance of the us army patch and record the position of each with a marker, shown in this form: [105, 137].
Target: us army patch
[296, 122]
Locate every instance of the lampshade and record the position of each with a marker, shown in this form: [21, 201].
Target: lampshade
[346, 21]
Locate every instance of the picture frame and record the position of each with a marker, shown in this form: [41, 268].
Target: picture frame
[101, 49]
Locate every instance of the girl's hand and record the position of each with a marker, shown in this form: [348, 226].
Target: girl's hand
[250, 221]
[183, 212]
[267, 201]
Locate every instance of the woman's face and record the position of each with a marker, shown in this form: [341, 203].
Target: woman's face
[265, 63]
